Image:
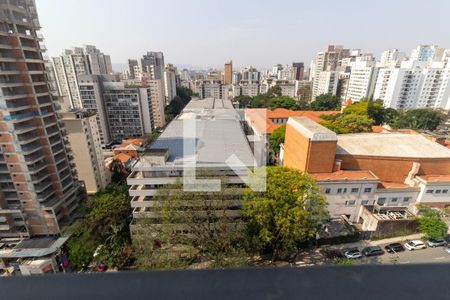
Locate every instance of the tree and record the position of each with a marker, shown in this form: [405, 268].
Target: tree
[283, 102]
[390, 115]
[349, 123]
[288, 213]
[260, 101]
[210, 231]
[326, 102]
[151, 137]
[274, 91]
[419, 119]
[304, 93]
[118, 171]
[367, 107]
[276, 138]
[106, 223]
[431, 223]
[244, 101]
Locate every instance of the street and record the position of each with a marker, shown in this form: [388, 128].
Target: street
[428, 255]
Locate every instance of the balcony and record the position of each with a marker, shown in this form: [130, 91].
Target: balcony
[34, 157]
[22, 128]
[17, 105]
[27, 138]
[45, 195]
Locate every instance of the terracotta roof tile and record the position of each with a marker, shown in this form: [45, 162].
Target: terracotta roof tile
[261, 117]
[345, 175]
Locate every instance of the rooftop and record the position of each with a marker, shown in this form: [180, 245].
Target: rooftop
[344, 175]
[311, 129]
[209, 126]
[390, 145]
[261, 117]
[435, 177]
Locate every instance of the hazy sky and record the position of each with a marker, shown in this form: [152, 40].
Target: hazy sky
[250, 32]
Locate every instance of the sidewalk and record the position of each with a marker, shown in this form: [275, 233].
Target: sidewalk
[366, 243]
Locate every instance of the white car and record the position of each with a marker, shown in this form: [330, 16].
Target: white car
[415, 245]
[353, 253]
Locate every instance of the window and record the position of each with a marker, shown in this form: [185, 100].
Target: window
[444, 191]
[393, 200]
[350, 202]
[406, 199]
[429, 191]
[367, 190]
[381, 201]
[364, 202]
[339, 191]
[355, 190]
[438, 191]
[327, 191]
[344, 190]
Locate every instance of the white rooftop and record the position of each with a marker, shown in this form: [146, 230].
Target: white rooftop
[390, 145]
[212, 128]
[311, 129]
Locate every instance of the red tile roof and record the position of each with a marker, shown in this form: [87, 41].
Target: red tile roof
[392, 185]
[344, 175]
[124, 158]
[261, 117]
[137, 142]
[435, 177]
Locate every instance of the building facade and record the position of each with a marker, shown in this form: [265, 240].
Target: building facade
[84, 137]
[39, 191]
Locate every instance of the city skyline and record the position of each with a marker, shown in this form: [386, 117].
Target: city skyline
[295, 33]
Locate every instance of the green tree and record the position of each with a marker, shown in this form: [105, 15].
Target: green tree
[390, 115]
[244, 101]
[274, 91]
[105, 223]
[367, 107]
[431, 223]
[288, 213]
[304, 94]
[326, 102]
[349, 123]
[151, 137]
[260, 101]
[195, 226]
[276, 138]
[419, 119]
[283, 102]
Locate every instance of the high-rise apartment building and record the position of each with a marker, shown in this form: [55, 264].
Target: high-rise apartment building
[127, 110]
[73, 63]
[84, 137]
[39, 190]
[298, 70]
[153, 63]
[416, 84]
[212, 89]
[363, 77]
[327, 83]
[327, 60]
[170, 84]
[228, 73]
[427, 53]
[391, 58]
[250, 74]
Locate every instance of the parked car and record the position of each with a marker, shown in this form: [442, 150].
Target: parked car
[353, 253]
[372, 251]
[436, 243]
[394, 247]
[415, 245]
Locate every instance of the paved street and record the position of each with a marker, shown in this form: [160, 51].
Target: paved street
[429, 255]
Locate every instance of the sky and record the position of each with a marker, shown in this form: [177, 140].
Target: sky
[206, 33]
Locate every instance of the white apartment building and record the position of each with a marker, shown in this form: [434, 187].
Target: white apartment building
[427, 53]
[327, 83]
[416, 84]
[212, 89]
[73, 63]
[170, 84]
[391, 58]
[363, 77]
[84, 139]
[246, 88]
